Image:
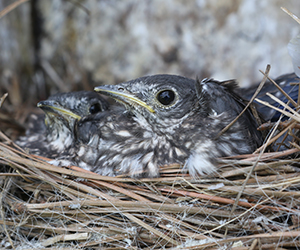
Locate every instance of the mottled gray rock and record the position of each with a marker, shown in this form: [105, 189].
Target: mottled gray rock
[113, 41]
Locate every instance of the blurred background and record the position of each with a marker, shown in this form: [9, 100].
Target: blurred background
[65, 45]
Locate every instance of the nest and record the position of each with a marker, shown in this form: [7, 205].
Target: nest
[47, 206]
[252, 202]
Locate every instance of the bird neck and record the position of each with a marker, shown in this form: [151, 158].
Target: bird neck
[59, 136]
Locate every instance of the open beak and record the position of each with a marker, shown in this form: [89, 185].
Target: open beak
[127, 98]
[54, 108]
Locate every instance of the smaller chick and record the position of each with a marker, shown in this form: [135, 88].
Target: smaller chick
[53, 137]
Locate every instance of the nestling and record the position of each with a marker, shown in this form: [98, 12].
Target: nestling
[169, 119]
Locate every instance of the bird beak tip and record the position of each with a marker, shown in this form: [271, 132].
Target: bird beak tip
[40, 104]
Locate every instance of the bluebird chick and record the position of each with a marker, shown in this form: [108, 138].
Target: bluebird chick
[54, 136]
[169, 119]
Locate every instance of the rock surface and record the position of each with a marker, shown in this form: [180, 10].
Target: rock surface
[60, 46]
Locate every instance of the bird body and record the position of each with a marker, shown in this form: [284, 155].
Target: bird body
[119, 144]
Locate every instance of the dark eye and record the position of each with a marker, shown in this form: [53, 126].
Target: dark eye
[166, 97]
[95, 108]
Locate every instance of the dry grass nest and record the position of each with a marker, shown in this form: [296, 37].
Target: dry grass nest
[252, 202]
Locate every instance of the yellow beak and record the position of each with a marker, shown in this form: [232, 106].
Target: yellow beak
[53, 107]
[110, 90]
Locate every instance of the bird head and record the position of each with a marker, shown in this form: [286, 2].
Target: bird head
[63, 109]
[164, 101]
